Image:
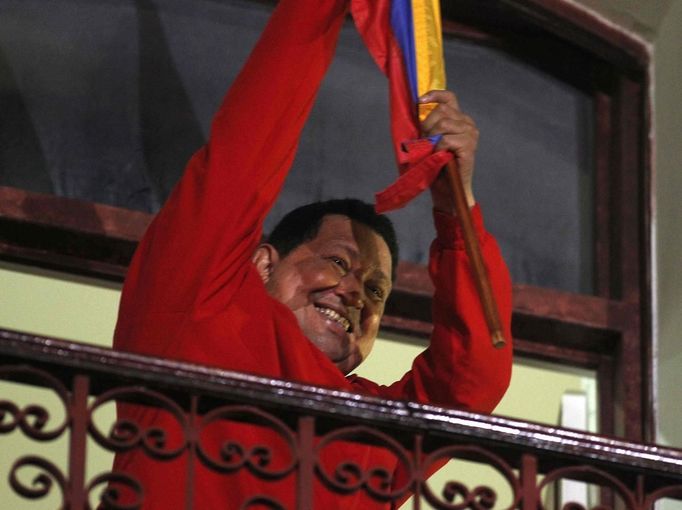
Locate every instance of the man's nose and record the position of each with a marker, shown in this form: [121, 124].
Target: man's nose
[350, 290]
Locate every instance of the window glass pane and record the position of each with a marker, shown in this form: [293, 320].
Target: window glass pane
[111, 114]
[534, 164]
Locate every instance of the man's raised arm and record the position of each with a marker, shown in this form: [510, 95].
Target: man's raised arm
[460, 368]
[204, 236]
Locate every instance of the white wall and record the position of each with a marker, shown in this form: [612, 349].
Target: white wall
[640, 16]
[51, 304]
[58, 305]
[668, 208]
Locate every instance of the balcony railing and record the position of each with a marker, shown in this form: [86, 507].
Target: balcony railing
[527, 457]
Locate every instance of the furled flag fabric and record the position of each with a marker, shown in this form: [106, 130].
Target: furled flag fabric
[404, 38]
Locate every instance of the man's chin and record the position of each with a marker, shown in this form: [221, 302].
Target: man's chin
[347, 364]
[335, 345]
[345, 361]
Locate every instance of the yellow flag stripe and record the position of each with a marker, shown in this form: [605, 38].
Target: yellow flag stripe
[428, 42]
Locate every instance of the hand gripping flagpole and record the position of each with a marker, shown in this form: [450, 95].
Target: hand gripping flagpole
[429, 73]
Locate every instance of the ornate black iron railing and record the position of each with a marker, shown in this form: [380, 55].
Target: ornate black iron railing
[527, 457]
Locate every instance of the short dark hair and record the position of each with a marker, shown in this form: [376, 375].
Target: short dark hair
[303, 223]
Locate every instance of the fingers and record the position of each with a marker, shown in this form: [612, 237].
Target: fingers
[446, 121]
[442, 97]
[462, 145]
[459, 131]
[459, 135]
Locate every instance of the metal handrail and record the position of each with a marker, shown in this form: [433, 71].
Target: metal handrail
[644, 472]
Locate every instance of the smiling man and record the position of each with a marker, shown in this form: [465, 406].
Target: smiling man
[307, 305]
[332, 264]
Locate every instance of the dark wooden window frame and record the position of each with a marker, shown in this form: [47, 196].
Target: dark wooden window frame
[609, 332]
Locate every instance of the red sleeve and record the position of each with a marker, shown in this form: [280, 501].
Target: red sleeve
[460, 368]
[196, 251]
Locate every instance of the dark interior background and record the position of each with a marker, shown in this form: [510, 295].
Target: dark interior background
[106, 100]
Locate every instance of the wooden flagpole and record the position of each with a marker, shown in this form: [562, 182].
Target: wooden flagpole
[473, 249]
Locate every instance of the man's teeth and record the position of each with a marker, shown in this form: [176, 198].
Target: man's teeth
[335, 316]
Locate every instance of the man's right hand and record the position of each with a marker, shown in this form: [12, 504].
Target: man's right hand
[459, 136]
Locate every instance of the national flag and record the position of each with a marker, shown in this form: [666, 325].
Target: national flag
[405, 39]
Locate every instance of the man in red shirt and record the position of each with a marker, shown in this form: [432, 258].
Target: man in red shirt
[202, 288]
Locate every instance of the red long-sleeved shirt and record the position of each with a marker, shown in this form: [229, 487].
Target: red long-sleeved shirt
[192, 293]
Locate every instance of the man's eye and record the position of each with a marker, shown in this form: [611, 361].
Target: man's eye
[341, 263]
[376, 292]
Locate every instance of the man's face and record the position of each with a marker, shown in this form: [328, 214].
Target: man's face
[336, 284]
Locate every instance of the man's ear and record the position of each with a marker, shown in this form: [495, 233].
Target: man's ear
[265, 258]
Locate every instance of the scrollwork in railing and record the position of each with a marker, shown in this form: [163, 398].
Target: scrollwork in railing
[260, 501]
[125, 434]
[10, 416]
[592, 475]
[348, 476]
[189, 429]
[457, 495]
[33, 419]
[110, 497]
[42, 483]
[574, 505]
[672, 491]
[266, 461]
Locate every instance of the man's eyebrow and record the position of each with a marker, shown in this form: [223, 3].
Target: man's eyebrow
[349, 247]
[382, 278]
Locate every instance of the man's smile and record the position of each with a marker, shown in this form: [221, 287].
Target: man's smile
[336, 317]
